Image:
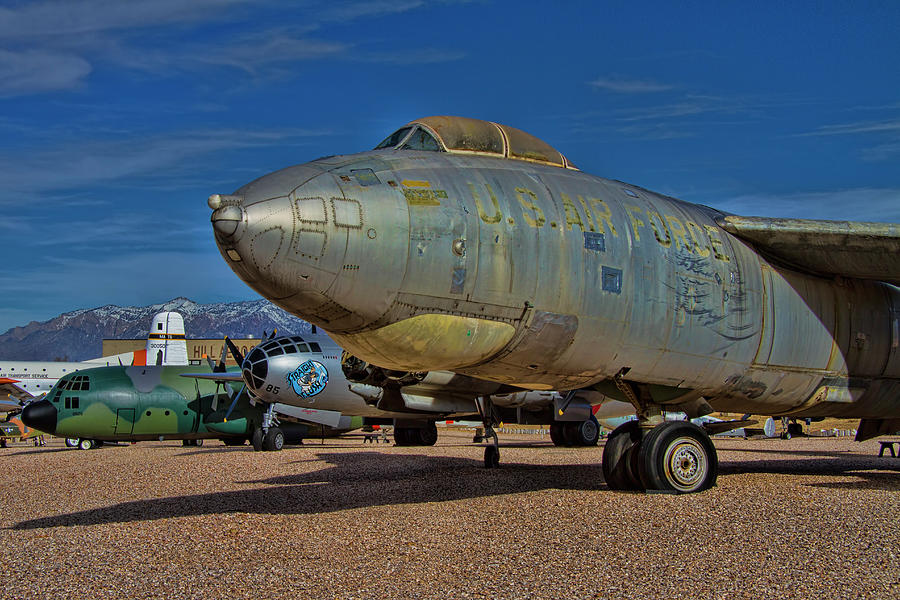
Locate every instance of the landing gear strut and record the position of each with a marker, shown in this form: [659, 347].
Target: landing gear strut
[491, 452]
[269, 436]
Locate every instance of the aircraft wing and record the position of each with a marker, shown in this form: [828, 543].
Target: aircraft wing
[716, 427]
[847, 248]
[8, 430]
[9, 405]
[225, 376]
[331, 418]
[8, 387]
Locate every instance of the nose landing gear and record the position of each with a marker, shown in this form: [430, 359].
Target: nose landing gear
[269, 436]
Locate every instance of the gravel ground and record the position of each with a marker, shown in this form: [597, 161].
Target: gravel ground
[810, 518]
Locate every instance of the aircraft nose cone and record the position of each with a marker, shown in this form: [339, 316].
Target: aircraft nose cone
[225, 220]
[41, 416]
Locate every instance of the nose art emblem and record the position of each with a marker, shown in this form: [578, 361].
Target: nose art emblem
[308, 379]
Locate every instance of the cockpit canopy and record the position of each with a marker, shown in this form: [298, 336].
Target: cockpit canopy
[461, 135]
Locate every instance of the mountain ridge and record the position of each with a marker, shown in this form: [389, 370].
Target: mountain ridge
[79, 334]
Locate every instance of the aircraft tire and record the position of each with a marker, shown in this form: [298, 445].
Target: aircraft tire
[257, 439]
[3, 443]
[678, 457]
[198, 443]
[556, 434]
[234, 441]
[274, 440]
[401, 436]
[588, 432]
[571, 437]
[616, 457]
[427, 436]
[85, 444]
[71, 442]
[491, 457]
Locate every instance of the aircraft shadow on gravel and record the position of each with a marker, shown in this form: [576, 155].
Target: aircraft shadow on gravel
[354, 481]
[876, 473]
[371, 479]
[797, 452]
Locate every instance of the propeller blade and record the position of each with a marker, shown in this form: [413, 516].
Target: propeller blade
[220, 368]
[235, 353]
[274, 331]
[233, 402]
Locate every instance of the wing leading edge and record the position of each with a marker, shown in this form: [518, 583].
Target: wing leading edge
[847, 248]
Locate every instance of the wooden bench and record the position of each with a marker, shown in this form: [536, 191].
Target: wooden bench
[889, 445]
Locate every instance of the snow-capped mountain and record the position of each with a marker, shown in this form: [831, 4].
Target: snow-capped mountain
[78, 335]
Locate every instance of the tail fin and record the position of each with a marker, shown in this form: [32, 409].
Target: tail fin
[166, 343]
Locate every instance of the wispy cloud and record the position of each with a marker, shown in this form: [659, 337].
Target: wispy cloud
[82, 162]
[886, 130]
[860, 204]
[695, 104]
[853, 128]
[880, 152]
[55, 45]
[64, 18]
[132, 279]
[343, 11]
[424, 56]
[33, 71]
[620, 85]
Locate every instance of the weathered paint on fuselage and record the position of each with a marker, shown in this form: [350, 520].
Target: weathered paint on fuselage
[146, 402]
[549, 278]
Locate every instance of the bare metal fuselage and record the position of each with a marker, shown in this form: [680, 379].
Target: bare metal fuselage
[549, 278]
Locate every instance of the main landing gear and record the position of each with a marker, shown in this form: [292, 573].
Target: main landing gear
[416, 436]
[675, 457]
[269, 437]
[575, 433]
[655, 455]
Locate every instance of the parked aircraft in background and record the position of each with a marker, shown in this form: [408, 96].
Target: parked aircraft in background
[313, 372]
[12, 428]
[711, 425]
[134, 403]
[24, 381]
[468, 246]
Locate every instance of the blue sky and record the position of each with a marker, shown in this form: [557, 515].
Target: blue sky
[118, 119]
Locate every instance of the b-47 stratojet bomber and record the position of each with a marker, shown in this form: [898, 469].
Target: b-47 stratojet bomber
[473, 247]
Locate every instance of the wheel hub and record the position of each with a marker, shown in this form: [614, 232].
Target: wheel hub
[686, 464]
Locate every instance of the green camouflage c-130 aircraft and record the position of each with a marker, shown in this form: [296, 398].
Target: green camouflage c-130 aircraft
[135, 403]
